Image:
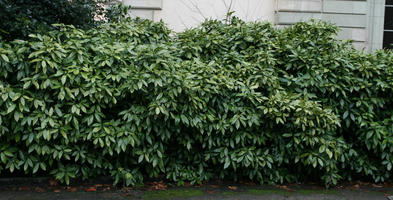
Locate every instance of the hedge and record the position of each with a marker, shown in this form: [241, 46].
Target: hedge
[228, 100]
[19, 18]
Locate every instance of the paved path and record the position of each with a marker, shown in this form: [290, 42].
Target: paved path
[347, 195]
[207, 191]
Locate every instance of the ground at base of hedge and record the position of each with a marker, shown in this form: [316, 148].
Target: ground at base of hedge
[220, 190]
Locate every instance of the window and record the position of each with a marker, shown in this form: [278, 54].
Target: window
[388, 25]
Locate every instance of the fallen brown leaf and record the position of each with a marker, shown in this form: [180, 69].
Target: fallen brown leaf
[232, 187]
[72, 189]
[159, 185]
[91, 189]
[38, 189]
[24, 188]
[377, 186]
[57, 190]
[284, 187]
[53, 183]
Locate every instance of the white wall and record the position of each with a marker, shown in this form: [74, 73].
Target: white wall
[182, 14]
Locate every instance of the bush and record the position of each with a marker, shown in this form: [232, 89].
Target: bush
[229, 100]
[19, 18]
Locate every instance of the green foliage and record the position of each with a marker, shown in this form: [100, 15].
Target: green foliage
[225, 100]
[19, 18]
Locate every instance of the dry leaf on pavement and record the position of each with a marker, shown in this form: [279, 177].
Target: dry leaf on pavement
[24, 188]
[159, 185]
[91, 189]
[232, 187]
[285, 188]
[72, 189]
[377, 186]
[38, 189]
[53, 183]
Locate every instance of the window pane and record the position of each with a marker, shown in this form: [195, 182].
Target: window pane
[389, 18]
[387, 40]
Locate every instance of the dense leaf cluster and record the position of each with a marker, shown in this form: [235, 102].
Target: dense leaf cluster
[19, 18]
[229, 100]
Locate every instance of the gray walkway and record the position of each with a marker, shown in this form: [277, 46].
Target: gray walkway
[207, 192]
[120, 196]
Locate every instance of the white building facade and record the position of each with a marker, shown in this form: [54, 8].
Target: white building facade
[363, 21]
